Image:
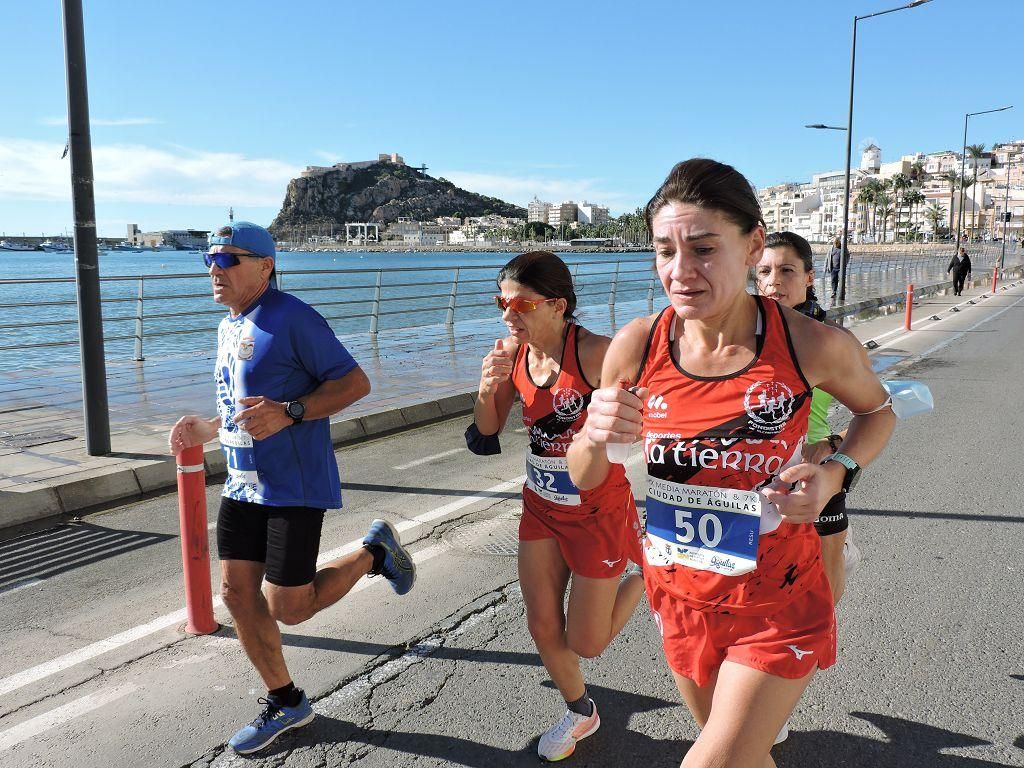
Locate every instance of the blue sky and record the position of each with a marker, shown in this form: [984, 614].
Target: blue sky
[201, 105]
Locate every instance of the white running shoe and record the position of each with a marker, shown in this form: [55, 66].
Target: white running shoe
[851, 555]
[559, 741]
[783, 734]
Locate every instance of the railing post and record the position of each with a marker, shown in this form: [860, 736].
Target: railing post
[374, 317]
[995, 278]
[650, 296]
[450, 320]
[614, 288]
[138, 358]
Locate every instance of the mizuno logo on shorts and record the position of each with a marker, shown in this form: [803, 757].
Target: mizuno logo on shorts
[798, 653]
[611, 563]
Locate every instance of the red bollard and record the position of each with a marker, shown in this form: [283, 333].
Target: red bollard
[910, 306]
[195, 548]
[995, 278]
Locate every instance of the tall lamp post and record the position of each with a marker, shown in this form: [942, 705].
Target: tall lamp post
[963, 170]
[87, 279]
[823, 127]
[844, 257]
[1006, 211]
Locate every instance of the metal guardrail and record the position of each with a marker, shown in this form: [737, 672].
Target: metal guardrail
[368, 300]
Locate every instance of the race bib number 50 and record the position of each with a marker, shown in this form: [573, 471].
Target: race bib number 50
[548, 477]
[710, 529]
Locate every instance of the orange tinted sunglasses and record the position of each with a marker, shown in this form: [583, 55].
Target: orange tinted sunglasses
[519, 304]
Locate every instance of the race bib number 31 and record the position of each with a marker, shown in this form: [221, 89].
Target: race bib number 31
[548, 477]
[710, 529]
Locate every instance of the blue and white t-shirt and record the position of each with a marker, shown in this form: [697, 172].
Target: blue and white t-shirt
[283, 349]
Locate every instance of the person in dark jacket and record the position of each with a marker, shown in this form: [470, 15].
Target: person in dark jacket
[833, 264]
[960, 266]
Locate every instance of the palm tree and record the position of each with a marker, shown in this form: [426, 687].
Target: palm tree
[913, 199]
[917, 173]
[884, 209]
[951, 178]
[934, 214]
[900, 184]
[873, 188]
[976, 151]
[866, 198]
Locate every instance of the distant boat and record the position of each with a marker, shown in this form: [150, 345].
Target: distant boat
[124, 245]
[162, 247]
[56, 246]
[7, 245]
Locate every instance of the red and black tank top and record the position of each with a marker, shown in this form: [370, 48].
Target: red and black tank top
[711, 444]
[553, 415]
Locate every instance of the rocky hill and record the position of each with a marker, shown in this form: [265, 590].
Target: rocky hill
[379, 193]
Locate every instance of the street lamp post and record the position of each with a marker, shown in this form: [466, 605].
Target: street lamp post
[844, 257]
[963, 171]
[1006, 211]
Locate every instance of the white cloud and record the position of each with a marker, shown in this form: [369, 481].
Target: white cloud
[33, 170]
[521, 189]
[117, 121]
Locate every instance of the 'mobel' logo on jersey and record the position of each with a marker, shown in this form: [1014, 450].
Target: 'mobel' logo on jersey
[769, 404]
[657, 408]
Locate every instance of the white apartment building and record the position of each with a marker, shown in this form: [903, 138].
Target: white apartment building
[564, 213]
[938, 163]
[590, 213]
[537, 210]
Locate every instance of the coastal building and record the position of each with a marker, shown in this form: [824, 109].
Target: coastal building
[537, 210]
[564, 213]
[938, 163]
[319, 170]
[591, 213]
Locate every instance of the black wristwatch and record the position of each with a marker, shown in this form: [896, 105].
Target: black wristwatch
[295, 411]
[852, 470]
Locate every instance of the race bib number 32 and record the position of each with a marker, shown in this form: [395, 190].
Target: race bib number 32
[548, 477]
[710, 529]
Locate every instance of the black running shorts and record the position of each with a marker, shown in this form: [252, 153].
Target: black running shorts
[833, 519]
[285, 539]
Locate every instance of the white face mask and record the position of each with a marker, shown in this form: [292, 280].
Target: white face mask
[909, 398]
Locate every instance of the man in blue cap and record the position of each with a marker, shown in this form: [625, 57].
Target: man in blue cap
[281, 373]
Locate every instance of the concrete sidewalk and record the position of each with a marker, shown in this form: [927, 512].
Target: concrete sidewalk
[419, 375]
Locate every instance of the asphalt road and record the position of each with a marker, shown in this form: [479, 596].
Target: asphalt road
[94, 671]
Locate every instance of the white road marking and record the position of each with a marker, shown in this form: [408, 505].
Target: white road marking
[40, 671]
[21, 584]
[934, 323]
[54, 666]
[53, 718]
[428, 459]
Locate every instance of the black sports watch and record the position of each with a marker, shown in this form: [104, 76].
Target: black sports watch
[852, 470]
[295, 410]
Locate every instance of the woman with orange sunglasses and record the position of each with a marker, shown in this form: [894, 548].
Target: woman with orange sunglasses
[565, 534]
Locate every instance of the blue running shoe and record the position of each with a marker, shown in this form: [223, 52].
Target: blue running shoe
[271, 723]
[398, 567]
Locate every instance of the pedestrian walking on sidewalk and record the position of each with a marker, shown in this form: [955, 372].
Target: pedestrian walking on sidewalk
[960, 266]
[833, 264]
[565, 535]
[732, 562]
[280, 374]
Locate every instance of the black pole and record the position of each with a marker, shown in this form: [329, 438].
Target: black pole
[844, 255]
[87, 277]
[1006, 210]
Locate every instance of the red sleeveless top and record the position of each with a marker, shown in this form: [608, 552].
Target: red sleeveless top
[737, 431]
[553, 416]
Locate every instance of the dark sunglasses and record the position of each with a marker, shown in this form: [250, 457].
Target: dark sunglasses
[519, 304]
[226, 260]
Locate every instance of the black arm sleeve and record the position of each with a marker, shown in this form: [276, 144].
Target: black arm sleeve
[481, 444]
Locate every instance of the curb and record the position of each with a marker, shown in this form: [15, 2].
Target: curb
[44, 506]
[924, 291]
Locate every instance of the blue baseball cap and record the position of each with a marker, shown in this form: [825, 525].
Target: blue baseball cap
[248, 236]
